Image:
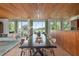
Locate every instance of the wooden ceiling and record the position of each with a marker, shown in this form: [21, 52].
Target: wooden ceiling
[38, 11]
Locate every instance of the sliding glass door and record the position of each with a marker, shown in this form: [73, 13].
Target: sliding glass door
[38, 26]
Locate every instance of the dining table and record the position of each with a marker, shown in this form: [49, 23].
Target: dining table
[36, 47]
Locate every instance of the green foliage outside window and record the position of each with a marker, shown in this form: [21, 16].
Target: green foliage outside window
[11, 27]
[55, 25]
[66, 25]
[58, 25]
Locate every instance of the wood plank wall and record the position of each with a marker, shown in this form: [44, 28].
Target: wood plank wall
[69, 40]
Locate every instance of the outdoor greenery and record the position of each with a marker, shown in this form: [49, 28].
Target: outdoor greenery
[39, 29]
[54, 25]
[22, 30]
[57, 25]
[39, 26]
[11, 27]
[66, 25]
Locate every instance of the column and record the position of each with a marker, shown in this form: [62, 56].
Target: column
[30, 30]
[46, 30]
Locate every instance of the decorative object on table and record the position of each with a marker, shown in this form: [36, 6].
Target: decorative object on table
[39, 34]
[39, 38]
[45, 34]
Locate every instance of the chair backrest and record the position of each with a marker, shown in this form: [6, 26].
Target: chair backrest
[22, 41]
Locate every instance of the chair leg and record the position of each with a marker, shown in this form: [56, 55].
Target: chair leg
[21, 53]
[24, 53]
[30, 52]
[52, 51]
[44, 51]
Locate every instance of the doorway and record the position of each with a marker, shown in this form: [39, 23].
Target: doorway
[1, 27]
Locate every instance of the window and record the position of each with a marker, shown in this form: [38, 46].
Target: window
[66, 25]
[12, 27]
[60, 25]
[38, 26]
[23, 28]
[19, 27]
[55, 25]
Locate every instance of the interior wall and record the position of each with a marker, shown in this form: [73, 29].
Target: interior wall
[5, 25]
[69, 41]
